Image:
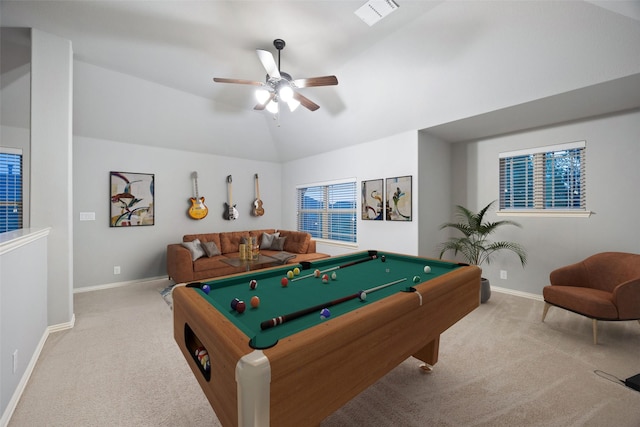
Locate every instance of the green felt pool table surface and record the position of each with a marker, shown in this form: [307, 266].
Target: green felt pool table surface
[306, 292]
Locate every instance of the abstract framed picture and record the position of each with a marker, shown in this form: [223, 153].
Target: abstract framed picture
[373, 200]
[131, 199]
[399, 199]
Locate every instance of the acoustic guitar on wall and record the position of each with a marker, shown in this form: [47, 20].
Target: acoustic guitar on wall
[198, 210]
[257, 210]
[230, 211]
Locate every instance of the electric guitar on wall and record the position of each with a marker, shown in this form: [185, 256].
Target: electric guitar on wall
[257, 210]
[198, 210]
[230, 211]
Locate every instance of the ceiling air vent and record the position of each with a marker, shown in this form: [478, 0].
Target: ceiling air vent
[374, 10]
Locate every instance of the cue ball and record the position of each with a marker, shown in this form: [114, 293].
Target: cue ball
[362, 295]
[325, 313]
[253, 284]
[284, 282]
[427, 269]
[234, 303]
[334, 276]
[416, 279]
[325, 278]
[241, 307]
[255, 301]
[316, 273]
[296, 271]
[206, 289]
[383, 258]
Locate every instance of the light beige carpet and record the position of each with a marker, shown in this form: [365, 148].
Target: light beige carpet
[500, 366]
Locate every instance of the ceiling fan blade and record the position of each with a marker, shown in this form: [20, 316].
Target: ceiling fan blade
[268, 63]
[262, 106]
[316, 81]
[237, 81]
[306, 102]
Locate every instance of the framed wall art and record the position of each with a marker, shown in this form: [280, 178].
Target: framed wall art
[373, 200]
[399, 199]
[131, 199]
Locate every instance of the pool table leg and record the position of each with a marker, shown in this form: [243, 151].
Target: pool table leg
[429, 354]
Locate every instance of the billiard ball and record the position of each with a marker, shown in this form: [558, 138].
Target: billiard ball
[206, 289]
[296, 271]
[234, 303]
[325, 313]
[241, 307]
[290, 274]
[284, 282]
[334, 276]
[427, 269]
[316, 273]
[362, 295]
[383, 258]
[253, 284]
[416, 279]
[325, 278]
[255, 301]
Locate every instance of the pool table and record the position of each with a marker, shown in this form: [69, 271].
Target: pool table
[281, 363]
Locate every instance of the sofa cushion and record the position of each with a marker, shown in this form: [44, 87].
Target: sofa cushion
[210, 248]
[195, 248]
[230, 241]
[297, 241]
[205, 264]
[258, 233]
[278, 243]
[266, 240]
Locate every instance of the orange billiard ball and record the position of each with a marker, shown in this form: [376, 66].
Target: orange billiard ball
[255, 301]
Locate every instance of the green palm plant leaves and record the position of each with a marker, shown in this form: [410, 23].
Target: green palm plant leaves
[474, 246]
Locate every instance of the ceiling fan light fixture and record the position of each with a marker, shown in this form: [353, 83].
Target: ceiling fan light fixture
[262, 95]
[285, 92]
[272, 106]
[293, 104]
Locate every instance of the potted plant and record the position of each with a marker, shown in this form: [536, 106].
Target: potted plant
[474, 245]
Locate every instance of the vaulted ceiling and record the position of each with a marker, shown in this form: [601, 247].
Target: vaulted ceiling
[461, 70]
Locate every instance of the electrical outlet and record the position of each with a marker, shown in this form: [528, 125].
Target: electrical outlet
[116, 269]
[15, 361]
[503, 274]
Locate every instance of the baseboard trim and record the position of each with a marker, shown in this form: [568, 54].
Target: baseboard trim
[116, 284]
[517, 293]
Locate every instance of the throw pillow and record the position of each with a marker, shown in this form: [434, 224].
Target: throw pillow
[267, 240]
[278, 244]
[195, 248]
[210, 249]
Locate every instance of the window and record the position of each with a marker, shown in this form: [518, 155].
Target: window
[328, 211]
[10, 189]
[544, 179]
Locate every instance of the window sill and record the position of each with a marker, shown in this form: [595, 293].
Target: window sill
[548, 213]
[337, 243]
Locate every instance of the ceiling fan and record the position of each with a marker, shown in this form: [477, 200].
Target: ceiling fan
[280, 86]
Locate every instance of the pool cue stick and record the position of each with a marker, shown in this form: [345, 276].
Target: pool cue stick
[349, 264]
[296, 314]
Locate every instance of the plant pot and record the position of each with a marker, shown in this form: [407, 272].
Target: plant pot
[485, 290]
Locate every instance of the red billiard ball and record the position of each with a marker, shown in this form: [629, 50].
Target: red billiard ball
[253, 284]
[284, 282]
[325, 278]
[241, 307]
[255, 301]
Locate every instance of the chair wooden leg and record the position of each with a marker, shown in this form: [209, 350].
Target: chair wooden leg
[595, 331]
[546, 309]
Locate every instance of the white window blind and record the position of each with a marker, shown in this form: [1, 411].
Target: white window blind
[546, 178]
[10, 189]
[328, 211]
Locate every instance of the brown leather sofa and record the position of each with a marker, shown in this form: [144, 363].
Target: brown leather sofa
[182, 267]
[605, 286]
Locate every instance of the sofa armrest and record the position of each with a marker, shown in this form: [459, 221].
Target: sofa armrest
[626, 296]
[570, 275]
[311, 249]
[179, 264]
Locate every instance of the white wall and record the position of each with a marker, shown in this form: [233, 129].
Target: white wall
[141, 251]
[384, 158]
[613, 175]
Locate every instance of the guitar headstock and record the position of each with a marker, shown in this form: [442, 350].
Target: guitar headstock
[229, 180]
[194, 175]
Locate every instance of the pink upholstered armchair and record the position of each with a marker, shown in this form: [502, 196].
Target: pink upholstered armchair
[605, 286]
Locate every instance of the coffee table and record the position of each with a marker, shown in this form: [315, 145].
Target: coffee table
[251, 263]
